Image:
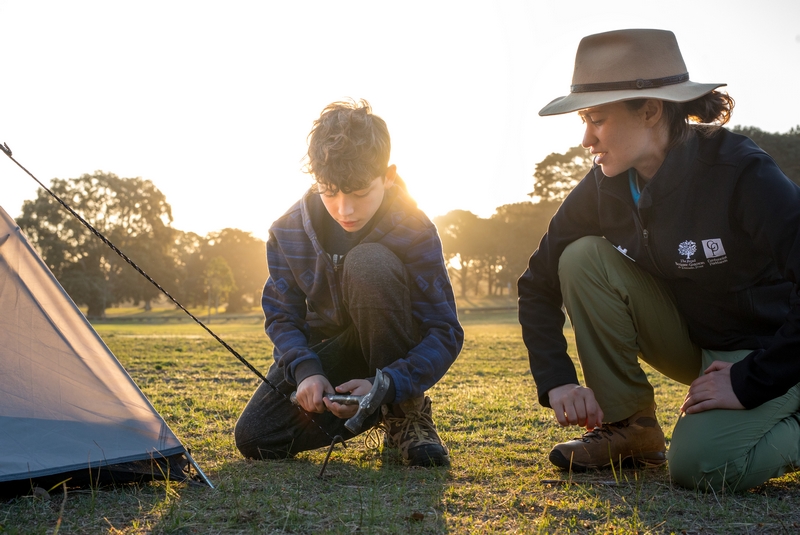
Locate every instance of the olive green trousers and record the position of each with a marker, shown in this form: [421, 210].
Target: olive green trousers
[621, 314]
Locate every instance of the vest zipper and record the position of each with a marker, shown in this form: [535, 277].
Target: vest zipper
[646, 240]
[336, 261]
[645, 233]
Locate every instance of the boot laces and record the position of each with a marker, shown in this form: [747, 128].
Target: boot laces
[416, 428]
[603, 432]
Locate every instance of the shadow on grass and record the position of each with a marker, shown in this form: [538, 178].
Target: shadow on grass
[363, 490]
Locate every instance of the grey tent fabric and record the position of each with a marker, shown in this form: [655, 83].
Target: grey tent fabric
[66, 403]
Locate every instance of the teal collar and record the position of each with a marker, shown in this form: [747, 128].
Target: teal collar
[633, 180]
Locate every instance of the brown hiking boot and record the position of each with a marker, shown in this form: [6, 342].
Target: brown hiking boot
[638, 438]
[410, 427]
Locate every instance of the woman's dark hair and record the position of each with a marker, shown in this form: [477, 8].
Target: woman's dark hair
[711, 111]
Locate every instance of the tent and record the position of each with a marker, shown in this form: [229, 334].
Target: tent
[68, 409]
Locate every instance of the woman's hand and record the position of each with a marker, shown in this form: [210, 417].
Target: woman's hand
[575, 405]
[309, 393]
[712, 391]
[355, 387]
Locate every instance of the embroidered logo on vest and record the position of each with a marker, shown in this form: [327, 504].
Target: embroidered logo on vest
[688, 249]
[715, 252]
[713, 249]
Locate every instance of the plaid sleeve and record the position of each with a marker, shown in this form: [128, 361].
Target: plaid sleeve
[284, 305]
[434, 309]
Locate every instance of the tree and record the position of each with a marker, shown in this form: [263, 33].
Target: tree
[155, 255]
[492, 253]
[243, 253]
[556, 175]
[784, 148]
[187, 253]
[246, 256]
[487, 259]
[521, 227]
[219, 281]
[131, 212]
[460, 234]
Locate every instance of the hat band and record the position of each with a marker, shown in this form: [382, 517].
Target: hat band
[631, 84]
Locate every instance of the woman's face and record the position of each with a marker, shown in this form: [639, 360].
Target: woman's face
[621, 139]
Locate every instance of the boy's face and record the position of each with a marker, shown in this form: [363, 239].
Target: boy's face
[354, 210]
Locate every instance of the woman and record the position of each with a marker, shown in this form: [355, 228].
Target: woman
[680, 247]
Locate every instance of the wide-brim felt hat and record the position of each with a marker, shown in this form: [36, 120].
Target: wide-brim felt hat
[626, 65]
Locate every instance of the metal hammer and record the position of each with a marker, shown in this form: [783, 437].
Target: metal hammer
[367, 404]
[342, 399]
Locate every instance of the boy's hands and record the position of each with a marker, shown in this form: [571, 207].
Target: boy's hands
[309, 393]
[311, 389]
[356, 387]
[575, 405]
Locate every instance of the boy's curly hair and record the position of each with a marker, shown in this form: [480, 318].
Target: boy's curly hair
[348, 147]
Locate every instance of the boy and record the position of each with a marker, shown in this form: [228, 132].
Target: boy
[357, 283]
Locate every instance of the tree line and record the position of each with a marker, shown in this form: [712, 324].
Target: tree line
[224, 267]
[485, 256]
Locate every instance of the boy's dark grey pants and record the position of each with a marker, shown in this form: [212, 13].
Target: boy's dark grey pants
[376, 293]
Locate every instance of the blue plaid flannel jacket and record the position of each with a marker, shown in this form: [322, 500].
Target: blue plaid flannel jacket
[303, 292]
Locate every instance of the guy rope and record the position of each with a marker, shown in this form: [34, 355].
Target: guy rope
[334, 439]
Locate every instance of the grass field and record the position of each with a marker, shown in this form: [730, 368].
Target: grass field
[485, 408]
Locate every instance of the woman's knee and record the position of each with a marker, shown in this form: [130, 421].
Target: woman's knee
[693, 473]
[697, 461]
[581, 255]
[686, 466]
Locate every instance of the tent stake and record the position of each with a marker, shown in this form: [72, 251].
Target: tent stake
[199, 470]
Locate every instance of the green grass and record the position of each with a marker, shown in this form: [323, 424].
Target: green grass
[485, 408]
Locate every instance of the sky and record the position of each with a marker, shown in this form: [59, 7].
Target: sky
[212, 101]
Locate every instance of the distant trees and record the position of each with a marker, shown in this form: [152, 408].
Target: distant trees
[189, 262]
[134, 215]
[521, 227]
[784, 148]
[488, 255]
[246, 256]
[556, 175]
[130, 212]
[218, 280]
[492, 253]
[466, 242]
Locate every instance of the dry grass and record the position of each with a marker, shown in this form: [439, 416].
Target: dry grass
[500, 480]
